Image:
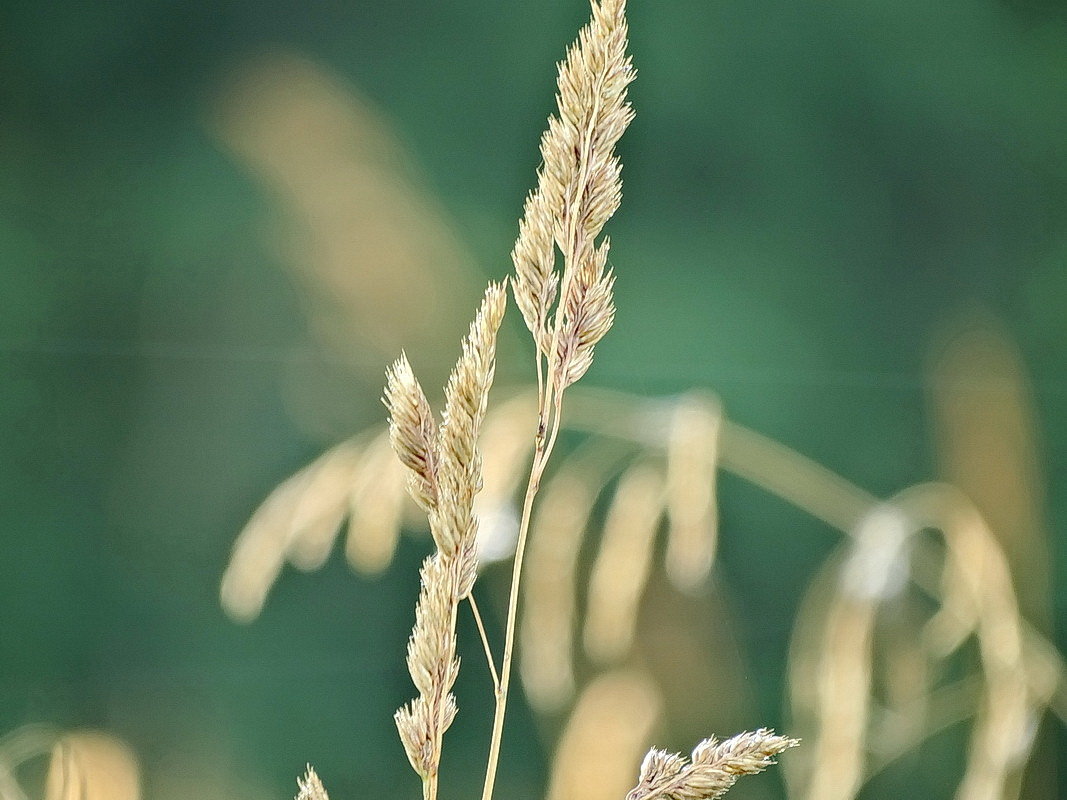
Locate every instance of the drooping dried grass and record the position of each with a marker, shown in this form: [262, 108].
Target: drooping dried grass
[605, 736]
[92, 766]
[623, 563]
[642, 427]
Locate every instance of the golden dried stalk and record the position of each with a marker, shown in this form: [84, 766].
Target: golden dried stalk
[712, 769]
[551, 587]
[376, 504]
[412, 432]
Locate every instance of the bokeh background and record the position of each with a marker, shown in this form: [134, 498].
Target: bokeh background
[219, 222]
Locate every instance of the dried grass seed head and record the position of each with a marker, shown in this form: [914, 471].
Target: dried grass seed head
[466, 395]
[412, 431]
[712, 769]
[579, 189]
[311, 787]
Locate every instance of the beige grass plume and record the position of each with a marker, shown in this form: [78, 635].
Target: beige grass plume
[311, 787]
[579, 188]
[712, 769]
[444, 477]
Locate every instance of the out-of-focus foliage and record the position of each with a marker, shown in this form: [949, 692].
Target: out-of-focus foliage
[815, 192]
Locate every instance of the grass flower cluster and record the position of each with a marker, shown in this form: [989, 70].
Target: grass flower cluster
[563, 288]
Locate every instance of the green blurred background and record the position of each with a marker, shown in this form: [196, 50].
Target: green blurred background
[814, 191]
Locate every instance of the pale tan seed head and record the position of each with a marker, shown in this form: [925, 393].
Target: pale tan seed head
[433, 665]
[89, 765]
[412, 431]
[712, 768]
[550, 589]
[579, 188]
[311, 787]
[377, 500]
[604, 736]
[459, 465]
[450, 460]
[297, 522]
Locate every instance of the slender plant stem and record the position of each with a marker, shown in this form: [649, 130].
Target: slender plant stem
[485, 643]
[541, 455]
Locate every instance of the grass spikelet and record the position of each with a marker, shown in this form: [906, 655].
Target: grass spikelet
[534, 256]
[466, 395]
[449, 463]
[589, 312]
[412, 431]
[711, 770]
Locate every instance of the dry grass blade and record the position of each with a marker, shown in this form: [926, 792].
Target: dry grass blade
[981, 404]
[321, 508]
[692, 463]
[842, 686]
[372, 249]
[312, 502]
[623, 563]
[550, 590]
[376, 509]
[92, 766]
[604, 737]
[1013, 680]
[712, 768]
